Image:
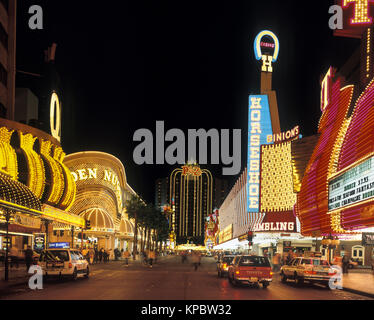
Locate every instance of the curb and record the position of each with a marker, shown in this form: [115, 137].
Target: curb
[361, 293]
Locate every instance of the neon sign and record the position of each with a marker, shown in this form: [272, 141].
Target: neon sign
[361, 11]
[259, 127]
[284, 136]
[267, 60]
[355, 17]
[326, 89]
[55, 117]
[191, 170]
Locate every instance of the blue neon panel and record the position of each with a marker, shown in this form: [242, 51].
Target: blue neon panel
[266, 129]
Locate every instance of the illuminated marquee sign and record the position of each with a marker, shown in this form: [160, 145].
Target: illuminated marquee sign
[226, 234]
[259, 127]
[353, 186]
[283, 136]
[357, 16]
[267, 59]
[55, 117]
[277, 222]
[105, 176]
[326, 89]
[191, 170]
[275, 226]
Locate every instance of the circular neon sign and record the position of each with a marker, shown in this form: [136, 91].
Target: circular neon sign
[257, 44]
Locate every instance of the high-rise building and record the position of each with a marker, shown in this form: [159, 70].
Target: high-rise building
[162, 193]
[191, 199]
[220, 192]
[7, 57]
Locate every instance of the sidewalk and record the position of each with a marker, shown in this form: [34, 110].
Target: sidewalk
[360, 281]
[17, 276]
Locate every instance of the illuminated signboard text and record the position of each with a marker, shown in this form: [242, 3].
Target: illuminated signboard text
[259, 127]
[283, 136]
[353, 186]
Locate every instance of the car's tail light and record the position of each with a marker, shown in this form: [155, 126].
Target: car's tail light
[70, 265]
[310, 272]
[271, 273]
[224, 265]
[237, 272]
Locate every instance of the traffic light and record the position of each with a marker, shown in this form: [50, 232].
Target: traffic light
[249, 237]
[6, 240]
[88, 224]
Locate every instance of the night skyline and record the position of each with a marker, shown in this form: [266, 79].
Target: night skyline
[163, 58]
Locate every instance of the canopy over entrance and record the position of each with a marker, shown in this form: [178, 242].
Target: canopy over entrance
[16, 196]
[99, 218]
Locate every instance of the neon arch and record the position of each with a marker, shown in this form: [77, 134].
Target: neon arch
[257, 42]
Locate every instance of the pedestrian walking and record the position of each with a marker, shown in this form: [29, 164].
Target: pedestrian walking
[144, 254]
[28, 258]
[13, 254]
[195, 260]
[345, 262]
[126, 256]
[276, 262]
[151, 257]
[96, 255]
[184, 256]
[101, 254]
[91, 255]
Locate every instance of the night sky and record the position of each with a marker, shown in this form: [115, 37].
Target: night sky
[125, 64]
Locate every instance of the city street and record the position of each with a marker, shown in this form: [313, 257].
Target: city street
[169, 279]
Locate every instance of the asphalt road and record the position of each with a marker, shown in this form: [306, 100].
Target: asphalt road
[169, 279]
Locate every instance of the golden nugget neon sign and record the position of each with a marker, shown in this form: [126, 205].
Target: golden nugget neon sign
[107, 175]
[55, 116]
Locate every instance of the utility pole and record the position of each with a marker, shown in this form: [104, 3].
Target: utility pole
[72, 237]
[7, 218]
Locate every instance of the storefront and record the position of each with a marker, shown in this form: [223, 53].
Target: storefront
[336, 186]
[31, 170]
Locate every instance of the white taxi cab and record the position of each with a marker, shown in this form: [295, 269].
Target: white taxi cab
[311, 269]
[63, 263]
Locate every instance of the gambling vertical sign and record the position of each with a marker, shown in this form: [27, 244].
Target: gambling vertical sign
[259, 127]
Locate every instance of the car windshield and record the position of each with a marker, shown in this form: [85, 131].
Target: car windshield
[318, 262]
[227, 259]
[253, 261]
[56, 255]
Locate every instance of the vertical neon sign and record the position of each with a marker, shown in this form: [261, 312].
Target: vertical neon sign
[259, 127]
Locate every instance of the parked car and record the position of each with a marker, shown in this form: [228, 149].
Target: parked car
[252, 269]
[314, 270]
[63, 263]
[223, 265]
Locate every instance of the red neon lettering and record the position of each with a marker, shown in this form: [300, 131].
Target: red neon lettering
[361, 11]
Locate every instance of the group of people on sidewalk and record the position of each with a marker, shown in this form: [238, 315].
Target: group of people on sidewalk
[94, 255]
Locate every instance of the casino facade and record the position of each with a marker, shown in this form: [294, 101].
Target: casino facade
[102, 191]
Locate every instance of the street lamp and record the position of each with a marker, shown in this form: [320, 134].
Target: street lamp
[7, 213]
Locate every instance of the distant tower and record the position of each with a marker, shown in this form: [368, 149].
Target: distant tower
[191, 198]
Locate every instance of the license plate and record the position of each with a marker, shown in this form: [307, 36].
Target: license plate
[254, 279]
